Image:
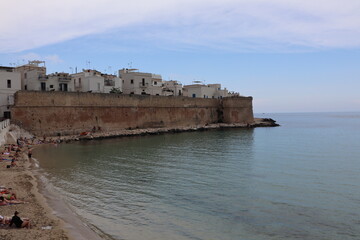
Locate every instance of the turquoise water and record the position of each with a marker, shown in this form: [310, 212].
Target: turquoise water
[297, 181]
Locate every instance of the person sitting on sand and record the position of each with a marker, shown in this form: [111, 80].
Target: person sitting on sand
[18, 222]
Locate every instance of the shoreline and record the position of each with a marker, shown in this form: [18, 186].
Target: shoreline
[258, 122]
[75, 227]
[44, 203]
[44, 225]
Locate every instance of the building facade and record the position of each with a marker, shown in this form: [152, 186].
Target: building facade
[205, 91]
[172, 88]
[112, 84]
[141, 83]
[33, 76]
[10, 82]
[94, 81]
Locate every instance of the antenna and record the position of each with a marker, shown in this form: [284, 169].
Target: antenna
[88, 64]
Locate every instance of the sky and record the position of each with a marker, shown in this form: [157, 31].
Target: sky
[289, 55]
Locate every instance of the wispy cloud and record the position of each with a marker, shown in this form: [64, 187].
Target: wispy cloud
[233, 24]
[53, 59]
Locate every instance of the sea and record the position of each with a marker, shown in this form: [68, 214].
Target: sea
[297, 181]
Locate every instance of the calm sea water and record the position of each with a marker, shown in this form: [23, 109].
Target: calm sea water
[297, 181]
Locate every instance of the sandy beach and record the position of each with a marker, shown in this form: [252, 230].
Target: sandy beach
[22, 181]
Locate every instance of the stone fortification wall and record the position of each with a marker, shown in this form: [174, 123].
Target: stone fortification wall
[237, 110]
[53, 113]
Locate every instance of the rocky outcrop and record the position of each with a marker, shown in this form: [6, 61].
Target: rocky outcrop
[265, 122]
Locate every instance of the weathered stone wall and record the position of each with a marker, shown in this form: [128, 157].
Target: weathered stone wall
[237, 110]
[53, 113]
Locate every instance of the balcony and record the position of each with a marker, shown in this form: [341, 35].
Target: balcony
[64, 79]
[43, 78]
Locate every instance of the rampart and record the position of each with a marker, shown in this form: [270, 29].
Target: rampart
[69, 113]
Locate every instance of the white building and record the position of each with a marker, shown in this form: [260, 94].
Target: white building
[59, 82]
[33, 76]
[205, 91]
[94, 81]
[10, 82]
[172, 88]
[112, 83]
[141, 83]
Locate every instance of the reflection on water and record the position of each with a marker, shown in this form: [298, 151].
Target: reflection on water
[183, 186]
[299, 181]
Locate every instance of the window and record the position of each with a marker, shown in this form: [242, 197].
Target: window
[155, 83]
[51, 86]
[9, 83]
[43, 86]
[194, 95]
[63, 87]
[7, 114]
[25, 75]
[132, 81]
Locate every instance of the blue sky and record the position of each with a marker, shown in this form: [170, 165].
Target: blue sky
[291, 56]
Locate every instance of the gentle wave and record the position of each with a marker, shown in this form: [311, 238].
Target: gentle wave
[292, 182]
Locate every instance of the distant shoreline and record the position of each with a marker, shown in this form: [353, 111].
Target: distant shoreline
[258, 122]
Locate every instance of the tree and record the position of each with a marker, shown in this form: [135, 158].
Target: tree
[115, 90]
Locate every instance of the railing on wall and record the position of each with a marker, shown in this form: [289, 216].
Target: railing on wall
[4, 124]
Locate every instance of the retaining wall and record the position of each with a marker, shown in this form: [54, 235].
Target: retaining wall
[66, 113]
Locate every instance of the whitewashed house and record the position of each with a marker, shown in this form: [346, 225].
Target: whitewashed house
[94, 81]
[172, 88]
[140, 83]
[205, 91]
[33, 76]
[10, 82]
